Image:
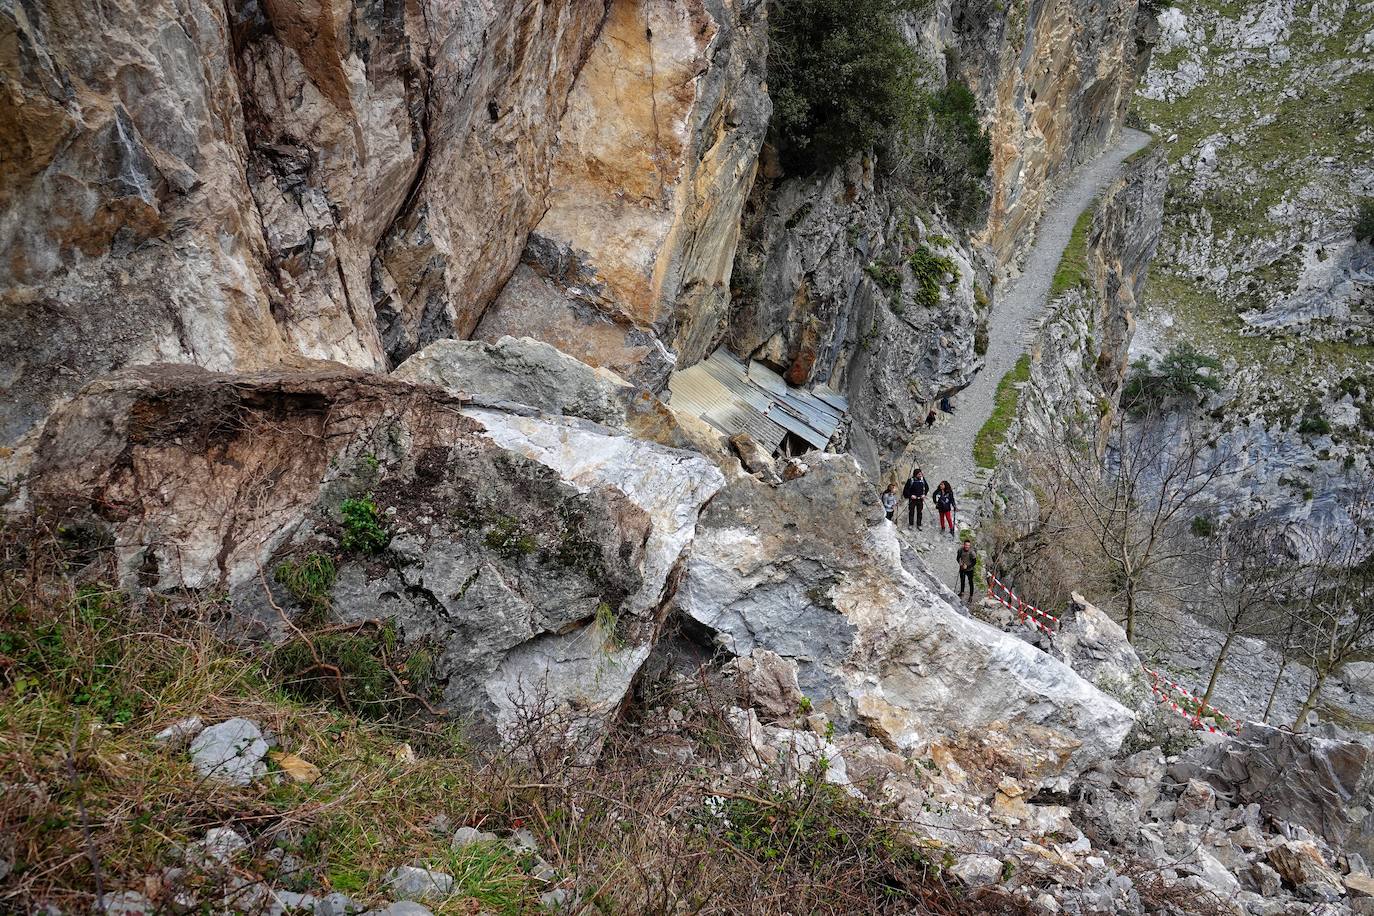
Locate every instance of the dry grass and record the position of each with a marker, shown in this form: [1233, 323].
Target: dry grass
[89, 803]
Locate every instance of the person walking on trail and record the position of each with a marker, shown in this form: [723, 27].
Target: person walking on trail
[915, 495]
[945, 505]
[930, 418]
[946, 406]
[890, 501]
[967, 558]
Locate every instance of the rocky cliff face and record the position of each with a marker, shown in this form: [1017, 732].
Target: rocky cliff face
[1259, 266]
[1080, 354]
[230, 185]
[1057, 79]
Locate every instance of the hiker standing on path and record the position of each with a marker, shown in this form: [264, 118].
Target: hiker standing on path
[946, 406]
[930, 418]
[945, 505]
[890, 501]
[967, 558]
[915, 495]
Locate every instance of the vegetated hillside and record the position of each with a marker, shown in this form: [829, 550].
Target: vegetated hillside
[1266, 111]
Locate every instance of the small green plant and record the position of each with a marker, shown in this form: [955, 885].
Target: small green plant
[1364, 221]
[1202, 526]
[509, 538]
[1313, 423]
[363, 531]
[888, 276]
[309, 581]
[994, 431]
[609, 625]
[930, 270]
[804, 706]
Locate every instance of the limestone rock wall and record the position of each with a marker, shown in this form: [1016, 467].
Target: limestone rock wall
[629, 268]
[232, 185]
[1055, 78]
[824, 292]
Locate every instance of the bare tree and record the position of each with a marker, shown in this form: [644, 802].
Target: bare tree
[1338, 613]
[1242, 590]
[1135, 507]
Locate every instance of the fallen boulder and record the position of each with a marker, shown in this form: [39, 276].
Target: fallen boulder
[529, 554]
[806, 571]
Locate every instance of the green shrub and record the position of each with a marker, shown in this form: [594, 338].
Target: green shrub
[1203, 527]
[930, 269]
[362, 525]
[1314, 425]
[1183, 372]
[1364, 220]
[309, 581]
[841, 76]
[945, 159]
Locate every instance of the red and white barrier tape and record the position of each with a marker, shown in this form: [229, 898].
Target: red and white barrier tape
[1030, 614]
[1026, 613]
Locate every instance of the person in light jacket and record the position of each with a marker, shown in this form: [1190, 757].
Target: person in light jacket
[890, 501]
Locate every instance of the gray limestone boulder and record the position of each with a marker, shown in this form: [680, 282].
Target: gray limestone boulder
[527, 554]
[1320, 782]
[412, 883]
[810, 572]
[521, 370]
[231, 751]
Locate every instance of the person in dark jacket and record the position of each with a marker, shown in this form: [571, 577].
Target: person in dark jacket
[967, 558]
[945, 405]
[945, 505]
[930, 419]
[915, 495]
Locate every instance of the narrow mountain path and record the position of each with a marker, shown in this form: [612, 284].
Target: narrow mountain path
[946, 452]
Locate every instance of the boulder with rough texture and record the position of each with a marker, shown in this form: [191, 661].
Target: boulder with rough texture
[629, 268]
[530, 555]
[976, 870]
[1095, 646]
[807, 571]
[523, 371]
[412, 883]
[1322, 783]
[1301, 863]
[754, 458]
[231, 751]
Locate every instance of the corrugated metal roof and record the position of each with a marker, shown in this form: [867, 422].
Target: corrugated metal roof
[737, 397]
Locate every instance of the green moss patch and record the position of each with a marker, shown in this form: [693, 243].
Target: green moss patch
[994, 431]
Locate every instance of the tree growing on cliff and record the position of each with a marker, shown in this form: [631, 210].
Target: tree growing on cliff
[841, 76]
[1242, 589]
[1123, 519]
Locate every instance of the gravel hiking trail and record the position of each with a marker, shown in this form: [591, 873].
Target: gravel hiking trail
[946, 452]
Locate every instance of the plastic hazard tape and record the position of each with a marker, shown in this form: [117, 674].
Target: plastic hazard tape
[1202, 710]
[1026, 613]
[1033, 616]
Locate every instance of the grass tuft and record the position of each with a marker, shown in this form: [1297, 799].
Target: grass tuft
[1073, 263]
[994, 431]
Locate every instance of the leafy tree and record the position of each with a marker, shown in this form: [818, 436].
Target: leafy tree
[842, 78]
[1183, 372]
